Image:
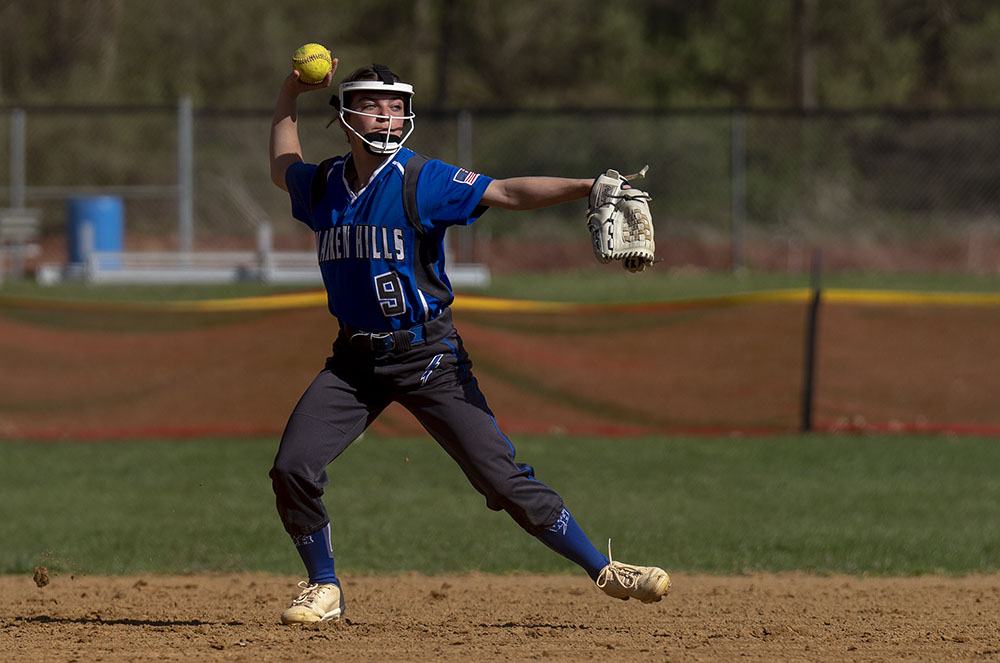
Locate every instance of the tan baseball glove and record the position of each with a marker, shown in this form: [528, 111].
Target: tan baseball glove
[620, 223]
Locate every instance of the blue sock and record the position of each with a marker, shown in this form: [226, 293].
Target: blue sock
[316, 551]
[567, 539]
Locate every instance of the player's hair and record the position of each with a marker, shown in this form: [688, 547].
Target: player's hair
[372, 73]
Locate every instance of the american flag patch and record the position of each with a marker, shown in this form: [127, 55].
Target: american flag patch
[465, 177]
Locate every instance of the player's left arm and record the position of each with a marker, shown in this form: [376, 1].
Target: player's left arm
[524, 193]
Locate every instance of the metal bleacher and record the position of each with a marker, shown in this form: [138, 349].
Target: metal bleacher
[177, 267]
[20, 230]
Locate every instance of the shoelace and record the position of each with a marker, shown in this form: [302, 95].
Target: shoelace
[611, 199]
[641, 174]
[627, 194]
[309, 595]
[624, 574]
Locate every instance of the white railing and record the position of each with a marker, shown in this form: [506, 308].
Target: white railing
[171, 267]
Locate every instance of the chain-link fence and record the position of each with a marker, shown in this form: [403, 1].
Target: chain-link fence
[877, 191]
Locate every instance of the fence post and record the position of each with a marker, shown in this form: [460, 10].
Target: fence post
[738, 187]
[812, 317]
[265, 246]
[465, 139]
[86, 240]
[185, 178]
[466, 238]
[17, 159]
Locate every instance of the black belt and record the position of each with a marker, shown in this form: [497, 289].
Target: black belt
[380, 343]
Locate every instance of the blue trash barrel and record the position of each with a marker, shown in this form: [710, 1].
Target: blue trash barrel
[106, 217]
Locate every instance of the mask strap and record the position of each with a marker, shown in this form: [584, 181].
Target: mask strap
[383, 73]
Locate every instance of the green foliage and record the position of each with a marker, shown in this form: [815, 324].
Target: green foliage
[739, 53]
[809, 178]
[511, 53]
[895, 505]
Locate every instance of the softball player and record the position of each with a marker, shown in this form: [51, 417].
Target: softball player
[379, 215]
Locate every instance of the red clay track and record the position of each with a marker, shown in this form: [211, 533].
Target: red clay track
[114, 373]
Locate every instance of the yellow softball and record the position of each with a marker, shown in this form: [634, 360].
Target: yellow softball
[313, 62]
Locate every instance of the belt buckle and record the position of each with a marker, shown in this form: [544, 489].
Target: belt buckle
[383, 342]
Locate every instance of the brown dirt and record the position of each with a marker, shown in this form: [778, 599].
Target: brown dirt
[787, 617]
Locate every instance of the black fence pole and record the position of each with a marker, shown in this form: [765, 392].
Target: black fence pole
[809, 375]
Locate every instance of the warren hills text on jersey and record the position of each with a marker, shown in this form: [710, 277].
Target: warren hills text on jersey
[361, 241]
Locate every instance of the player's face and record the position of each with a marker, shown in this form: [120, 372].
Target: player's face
[377, 112]
[375, 121]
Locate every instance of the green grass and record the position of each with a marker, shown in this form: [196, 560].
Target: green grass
[85, 292]
[599, 284]
[616, 285]
[886, 505]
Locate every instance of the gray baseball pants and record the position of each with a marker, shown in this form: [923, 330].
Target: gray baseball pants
[432, 380]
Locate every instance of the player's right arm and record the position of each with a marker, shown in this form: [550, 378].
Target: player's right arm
[285, 147]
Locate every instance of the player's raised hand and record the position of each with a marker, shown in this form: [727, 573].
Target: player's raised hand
[295, 86]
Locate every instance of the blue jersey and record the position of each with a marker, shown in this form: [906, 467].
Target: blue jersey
[380, 273]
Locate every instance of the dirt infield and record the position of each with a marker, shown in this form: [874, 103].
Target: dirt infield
[788, 617]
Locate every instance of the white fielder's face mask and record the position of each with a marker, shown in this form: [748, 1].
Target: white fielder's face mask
[380, 142]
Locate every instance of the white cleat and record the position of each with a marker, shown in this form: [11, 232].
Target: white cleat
[624, 581]
[316, 603]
